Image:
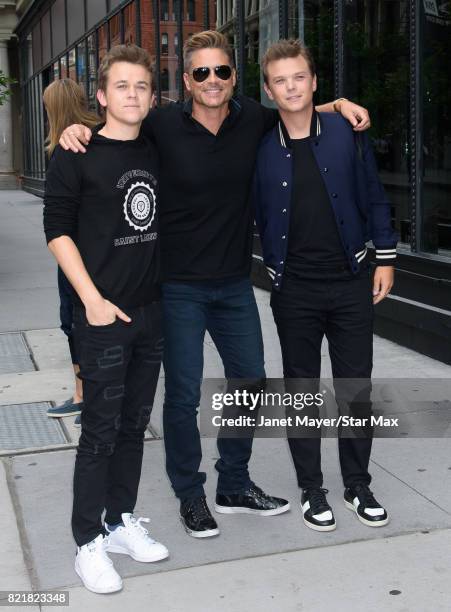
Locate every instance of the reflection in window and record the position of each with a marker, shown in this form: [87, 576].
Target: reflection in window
[165, 80]
[129, 24]
[103, 40]
[92, 71]
[81, 64]
[191, 10]
[72, 66]
[164, 10]
[115, 30]
[376, 75]
[164, 44]
[436, 146]
[315, 23]
[63, 64]
[56, 71]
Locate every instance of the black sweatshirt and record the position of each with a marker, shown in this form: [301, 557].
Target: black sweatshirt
[206, 218]
[106, 201]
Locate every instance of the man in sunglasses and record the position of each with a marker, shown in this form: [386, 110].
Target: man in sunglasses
[207, 147]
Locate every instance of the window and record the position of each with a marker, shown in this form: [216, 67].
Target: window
[164, 44]
[75, 20]
[164, 80]
[115, 30]
[191, 10]
[92, 71]
[164, 10]
[129, 24]
[376, 56]
[72, 65]
[436, 146]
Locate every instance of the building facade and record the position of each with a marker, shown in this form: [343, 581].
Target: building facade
[391, 56]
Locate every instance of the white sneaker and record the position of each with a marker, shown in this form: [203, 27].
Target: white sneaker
[132, 539]
[96, 569]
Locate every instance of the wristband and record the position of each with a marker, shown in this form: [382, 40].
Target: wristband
[336, 110]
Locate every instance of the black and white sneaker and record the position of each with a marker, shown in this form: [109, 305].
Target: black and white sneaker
[317, 513]
[196, 518]
[251, 501]
[360, 499]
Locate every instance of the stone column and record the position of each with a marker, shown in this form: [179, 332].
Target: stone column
[7, 177]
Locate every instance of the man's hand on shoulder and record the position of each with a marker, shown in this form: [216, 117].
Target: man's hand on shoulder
[357, 116]
[74, 137]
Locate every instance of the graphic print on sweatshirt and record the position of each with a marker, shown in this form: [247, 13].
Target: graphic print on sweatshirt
[139, 205]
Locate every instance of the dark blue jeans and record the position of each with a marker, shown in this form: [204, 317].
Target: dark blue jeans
[227, 309]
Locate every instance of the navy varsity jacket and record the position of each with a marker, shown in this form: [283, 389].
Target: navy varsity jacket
[348, 168]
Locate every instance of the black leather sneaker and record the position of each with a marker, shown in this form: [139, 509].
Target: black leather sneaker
[196, 518]
[252, 501]
[317, 513]
[360, 499]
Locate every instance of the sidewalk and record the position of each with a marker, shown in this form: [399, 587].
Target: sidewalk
[273, 563]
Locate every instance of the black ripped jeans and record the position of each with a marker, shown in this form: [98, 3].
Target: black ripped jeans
[119, 366]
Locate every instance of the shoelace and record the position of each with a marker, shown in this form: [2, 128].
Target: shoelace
[258, 493]
[318, 501]
[366, 496]
[137, 529]
[200, 509]
[98, 553]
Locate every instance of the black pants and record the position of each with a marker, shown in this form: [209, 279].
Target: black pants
[342, 309]
[66, 312]
[119, 366]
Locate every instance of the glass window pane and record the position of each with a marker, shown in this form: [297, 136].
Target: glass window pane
[58, 27]
[46, 39]
[436, 146]
[72, 66]
[92, 71]
[191, 10]
[63, 63]
[75, 20]
[96, 9]
[37, 51]
[147, 27]
[164, 10]
[164, 44]
[81, 64]
[377, 76]
[115, 30]
[56, 71]
[314, 21]
[103, 40]
[130, 24]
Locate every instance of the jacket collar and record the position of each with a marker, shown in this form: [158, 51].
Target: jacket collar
[284, 138]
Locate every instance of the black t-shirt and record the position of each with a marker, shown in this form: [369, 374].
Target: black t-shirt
[106, 200]
[314, 245]
[205, 180]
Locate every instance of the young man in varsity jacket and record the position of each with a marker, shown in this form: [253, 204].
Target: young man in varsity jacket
[318, 201]
[100, 220]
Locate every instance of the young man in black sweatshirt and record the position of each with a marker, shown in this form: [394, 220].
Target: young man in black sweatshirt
[101, 223]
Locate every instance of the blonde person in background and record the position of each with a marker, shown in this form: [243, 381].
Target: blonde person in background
[65, 103]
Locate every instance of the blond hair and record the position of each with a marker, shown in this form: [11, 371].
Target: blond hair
[65, 103]
[124, 53]
[286, 48]
[209, 39]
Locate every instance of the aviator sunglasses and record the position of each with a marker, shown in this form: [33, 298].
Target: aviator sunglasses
[223, 72]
